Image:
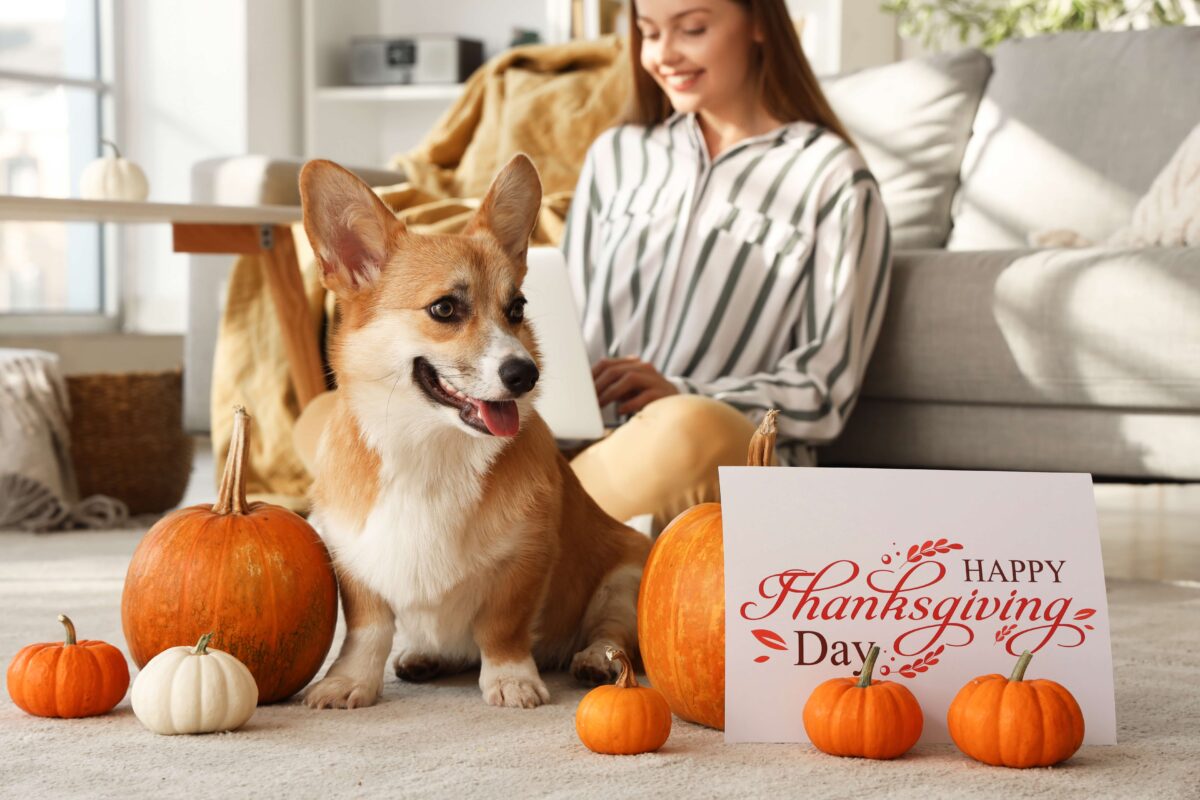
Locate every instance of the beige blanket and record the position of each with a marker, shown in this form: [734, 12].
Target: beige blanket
[549, 102]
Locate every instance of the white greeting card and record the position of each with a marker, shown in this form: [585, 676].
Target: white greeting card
[953, 574]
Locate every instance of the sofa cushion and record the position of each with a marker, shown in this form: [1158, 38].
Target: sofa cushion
[911, 120]
[1072, 130]
[1115, 328]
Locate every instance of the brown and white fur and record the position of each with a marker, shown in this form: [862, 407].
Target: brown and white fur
[476, 548]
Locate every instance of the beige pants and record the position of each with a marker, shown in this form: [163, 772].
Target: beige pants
[661, 462]
[664, 460]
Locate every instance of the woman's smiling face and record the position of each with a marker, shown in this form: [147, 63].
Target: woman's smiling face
[699, 51]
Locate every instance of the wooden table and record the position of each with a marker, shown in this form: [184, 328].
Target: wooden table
[262, 230]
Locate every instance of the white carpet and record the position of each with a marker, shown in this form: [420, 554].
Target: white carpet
[440, 740]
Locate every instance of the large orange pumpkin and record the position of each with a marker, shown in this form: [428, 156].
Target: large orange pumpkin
[1012, 722]
[68, 679]
[858, 717]
[681, 604]
[256, 572]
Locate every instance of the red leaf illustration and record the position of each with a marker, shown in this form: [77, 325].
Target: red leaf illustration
[929, 549]
[1089, 627]
[1084, 613]
[761, 659]
[770, 639]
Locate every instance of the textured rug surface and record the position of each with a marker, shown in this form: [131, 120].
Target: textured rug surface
[441, 740]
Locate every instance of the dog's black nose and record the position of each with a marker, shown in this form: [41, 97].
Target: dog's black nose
[519, 375]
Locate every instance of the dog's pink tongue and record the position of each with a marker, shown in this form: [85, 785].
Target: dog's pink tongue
[501, 418]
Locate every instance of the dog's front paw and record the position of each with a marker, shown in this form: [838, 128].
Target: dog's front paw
[591, 665]
[516, 693]
[513, 685]
[337, 691]
[418, 668]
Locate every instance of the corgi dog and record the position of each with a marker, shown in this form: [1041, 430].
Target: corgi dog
[452, 518]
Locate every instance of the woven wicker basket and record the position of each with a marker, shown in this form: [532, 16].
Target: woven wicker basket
[127, 438]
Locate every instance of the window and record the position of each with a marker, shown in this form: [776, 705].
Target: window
[53, 103]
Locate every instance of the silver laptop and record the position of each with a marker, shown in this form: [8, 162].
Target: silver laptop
[568, 396]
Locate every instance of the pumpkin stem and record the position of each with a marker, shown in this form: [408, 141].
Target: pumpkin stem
[1018, 672]
[626, 680]
[762, 443]
[70, 626]
[231, 499]
[864, 679]
[202, 645]
[116, 152]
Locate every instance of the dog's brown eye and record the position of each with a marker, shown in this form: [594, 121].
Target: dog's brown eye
[443, 309]
[516, 312]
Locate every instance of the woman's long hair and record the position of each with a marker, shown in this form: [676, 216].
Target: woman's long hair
[787, 85]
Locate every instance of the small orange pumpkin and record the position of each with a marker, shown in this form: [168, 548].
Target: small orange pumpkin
[72, 679]
[858, 717]
[623, 719]
[681, 603]
[1014, 722]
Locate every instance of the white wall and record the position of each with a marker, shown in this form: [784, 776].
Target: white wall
[197, 80]
[844, 35]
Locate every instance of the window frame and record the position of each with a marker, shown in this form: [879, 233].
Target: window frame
[109, 316]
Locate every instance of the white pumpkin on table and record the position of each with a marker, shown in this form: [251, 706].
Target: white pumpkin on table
[113, 178]
[194, 690]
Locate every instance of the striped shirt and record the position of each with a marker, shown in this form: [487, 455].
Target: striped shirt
[757, 278]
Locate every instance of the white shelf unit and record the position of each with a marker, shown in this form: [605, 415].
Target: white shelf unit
[367, 125]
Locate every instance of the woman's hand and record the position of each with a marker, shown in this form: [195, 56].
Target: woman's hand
[631, 382]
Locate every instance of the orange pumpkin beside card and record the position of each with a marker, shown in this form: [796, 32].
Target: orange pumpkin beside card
[1012, 722]
[859, 717]
[681, 604]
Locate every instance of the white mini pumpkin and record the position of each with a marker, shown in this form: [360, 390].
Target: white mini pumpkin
[113, 179]
[194, 690]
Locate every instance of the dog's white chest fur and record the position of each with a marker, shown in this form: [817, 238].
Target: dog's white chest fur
[423, 547]
[417, 543]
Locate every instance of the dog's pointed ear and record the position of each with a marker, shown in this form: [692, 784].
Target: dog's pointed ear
[510, 209]
[351, 231]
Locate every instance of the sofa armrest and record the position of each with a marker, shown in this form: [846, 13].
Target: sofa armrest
[261, 180]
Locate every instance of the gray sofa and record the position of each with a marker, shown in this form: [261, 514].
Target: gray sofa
[992, 355]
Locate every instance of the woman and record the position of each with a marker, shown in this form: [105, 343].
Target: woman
[729, 252]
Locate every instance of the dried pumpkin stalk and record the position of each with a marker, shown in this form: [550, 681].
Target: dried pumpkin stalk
[231, 497]
[762, 443]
